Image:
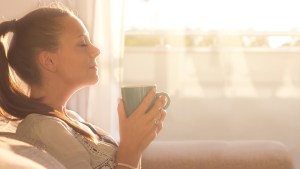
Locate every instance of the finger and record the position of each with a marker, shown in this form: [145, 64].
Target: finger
[121, 110]
[163, 115]
[151, 132]
[165, 100]
[159, 127]
[158, 122]
[142, 108]
[156, 109]
[152, 125]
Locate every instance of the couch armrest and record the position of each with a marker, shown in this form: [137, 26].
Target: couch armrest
[16, 154]
[217, 155]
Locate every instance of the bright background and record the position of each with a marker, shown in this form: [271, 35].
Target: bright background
[231, 67]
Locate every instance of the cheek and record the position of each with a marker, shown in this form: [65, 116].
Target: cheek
[74, 63]
[77, 61]
[79, 67]
[73, 68]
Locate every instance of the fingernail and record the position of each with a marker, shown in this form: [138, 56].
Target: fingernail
[119, 100]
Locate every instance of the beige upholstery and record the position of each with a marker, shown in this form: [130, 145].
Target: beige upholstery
[217, 155]
[16, 154]
[161, 155]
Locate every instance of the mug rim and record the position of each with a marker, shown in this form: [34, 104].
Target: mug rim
[139, 86]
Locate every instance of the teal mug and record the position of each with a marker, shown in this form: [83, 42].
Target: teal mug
[134, 95]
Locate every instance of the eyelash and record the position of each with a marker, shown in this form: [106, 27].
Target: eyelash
[84, 45]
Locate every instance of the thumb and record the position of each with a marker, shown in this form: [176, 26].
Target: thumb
[121, 110]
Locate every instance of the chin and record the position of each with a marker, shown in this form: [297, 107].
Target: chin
[94, 80]
[88, 82]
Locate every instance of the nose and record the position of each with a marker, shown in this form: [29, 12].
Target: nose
[94, 51]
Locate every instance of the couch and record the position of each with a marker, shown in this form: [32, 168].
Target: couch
[17, 154]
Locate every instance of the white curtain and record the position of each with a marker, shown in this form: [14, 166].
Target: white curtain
[98, 104]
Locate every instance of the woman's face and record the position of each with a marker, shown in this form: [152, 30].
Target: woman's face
[76, 64]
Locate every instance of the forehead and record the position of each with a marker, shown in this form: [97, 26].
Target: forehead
[73, 27]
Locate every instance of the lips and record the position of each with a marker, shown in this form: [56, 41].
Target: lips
[93, 66]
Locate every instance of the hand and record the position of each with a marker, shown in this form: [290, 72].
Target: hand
[139, 129]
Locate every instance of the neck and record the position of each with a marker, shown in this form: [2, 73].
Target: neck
[54, 96]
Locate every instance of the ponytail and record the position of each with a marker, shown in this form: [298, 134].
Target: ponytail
[12, 96]
[7, 26]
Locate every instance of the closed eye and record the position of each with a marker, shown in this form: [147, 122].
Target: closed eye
[83, 45]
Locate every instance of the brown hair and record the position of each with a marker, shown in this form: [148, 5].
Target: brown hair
[36, 31]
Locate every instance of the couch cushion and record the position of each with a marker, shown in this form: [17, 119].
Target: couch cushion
[217, 155]
[18, 154]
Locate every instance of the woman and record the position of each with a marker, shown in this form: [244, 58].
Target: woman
[51, 52]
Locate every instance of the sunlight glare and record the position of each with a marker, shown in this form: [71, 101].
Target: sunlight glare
[213, 14]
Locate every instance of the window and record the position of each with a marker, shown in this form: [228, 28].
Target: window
[205, 50]
[231, 67]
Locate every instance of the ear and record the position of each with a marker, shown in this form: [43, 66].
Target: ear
[47, 60]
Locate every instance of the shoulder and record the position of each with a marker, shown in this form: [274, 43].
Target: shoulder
[37, 119]
[41, 123]
[46, 129]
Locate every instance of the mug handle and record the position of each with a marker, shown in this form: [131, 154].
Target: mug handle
[164, 94]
